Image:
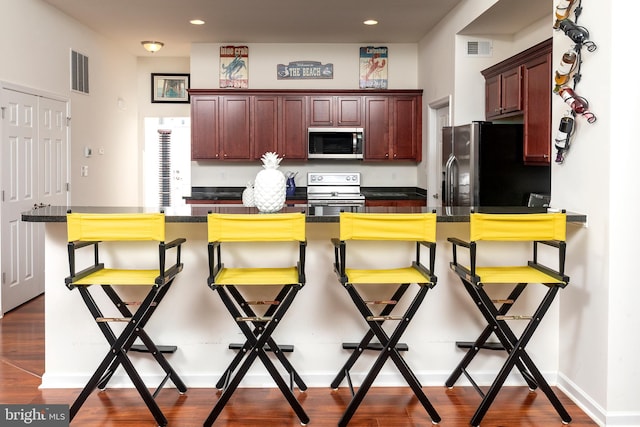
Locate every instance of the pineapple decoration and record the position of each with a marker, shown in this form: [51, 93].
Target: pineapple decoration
[270, 185]
[248, 198]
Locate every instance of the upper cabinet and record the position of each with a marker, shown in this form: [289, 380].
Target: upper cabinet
[393, 127]
[521, 86]
[504, 93]
[244, 124]
[337, 110]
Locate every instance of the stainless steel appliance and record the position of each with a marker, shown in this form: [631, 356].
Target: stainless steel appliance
[483, 166]
[336, 143]
[328, 193]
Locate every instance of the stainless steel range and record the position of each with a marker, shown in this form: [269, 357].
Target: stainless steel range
[328, 193]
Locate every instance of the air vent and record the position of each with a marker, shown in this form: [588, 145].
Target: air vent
[79, 72]
[479, 48]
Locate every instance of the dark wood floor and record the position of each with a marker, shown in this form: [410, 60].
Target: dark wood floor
[22, 364]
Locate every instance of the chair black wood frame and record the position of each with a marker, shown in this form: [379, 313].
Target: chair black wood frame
[90, 231]
[418, 228]
[540, 230]
[227, 283]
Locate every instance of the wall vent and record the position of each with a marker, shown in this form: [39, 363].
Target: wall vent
[479, 48]
[79, 72]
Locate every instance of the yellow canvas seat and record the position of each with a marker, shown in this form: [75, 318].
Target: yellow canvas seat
[380, 230]
[543, 230]
[94, 231]
[283, 233]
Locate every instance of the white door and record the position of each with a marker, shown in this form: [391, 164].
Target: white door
[34, 172]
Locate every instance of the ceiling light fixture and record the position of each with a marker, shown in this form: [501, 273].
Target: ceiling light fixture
[197, 22]
[370, 22]
[152, 46]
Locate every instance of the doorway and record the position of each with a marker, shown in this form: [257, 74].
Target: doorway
[34, 158]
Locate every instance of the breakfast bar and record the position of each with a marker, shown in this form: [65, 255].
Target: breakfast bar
[194, 320]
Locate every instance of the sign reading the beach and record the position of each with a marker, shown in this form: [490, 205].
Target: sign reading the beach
[299, 70]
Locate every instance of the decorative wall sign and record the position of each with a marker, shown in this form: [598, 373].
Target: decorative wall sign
[234, 67]
[374, 62]
[299, 70]
[169, 87]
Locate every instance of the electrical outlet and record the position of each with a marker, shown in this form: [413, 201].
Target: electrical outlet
[84, 171]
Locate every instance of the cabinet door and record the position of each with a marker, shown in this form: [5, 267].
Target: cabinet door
[348, 111]
[293, 127]
[511, 90]
[321, 111]
[376, 138]
[265, 125]
[235, 139]
[493, 97]
[204, 128]
[537, 111]
[406, 124]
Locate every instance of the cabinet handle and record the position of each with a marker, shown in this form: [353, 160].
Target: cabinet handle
[386, 155]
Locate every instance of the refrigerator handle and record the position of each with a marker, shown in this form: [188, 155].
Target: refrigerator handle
[446, 190]
[453, 182]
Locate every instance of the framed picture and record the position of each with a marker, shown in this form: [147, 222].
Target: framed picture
[169, 88]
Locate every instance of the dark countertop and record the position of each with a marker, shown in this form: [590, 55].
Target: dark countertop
[196, 213]
[372, 193]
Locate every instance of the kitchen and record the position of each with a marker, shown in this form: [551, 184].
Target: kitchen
[574, 185]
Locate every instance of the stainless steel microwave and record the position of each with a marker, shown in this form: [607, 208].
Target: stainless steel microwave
[336, 143]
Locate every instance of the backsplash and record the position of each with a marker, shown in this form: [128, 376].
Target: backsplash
[234, 174]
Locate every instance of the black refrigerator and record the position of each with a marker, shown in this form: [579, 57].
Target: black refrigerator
[483, 165]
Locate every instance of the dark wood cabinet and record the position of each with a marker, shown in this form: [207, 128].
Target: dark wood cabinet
[537, 111]
[393, 127]
[504, 93]
[244, 124]
[235, 136]
[265, 125]
[335, 110]
[293, 127]
[521, 86]
[204, 128]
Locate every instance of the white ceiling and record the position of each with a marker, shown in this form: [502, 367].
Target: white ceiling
[128, 22]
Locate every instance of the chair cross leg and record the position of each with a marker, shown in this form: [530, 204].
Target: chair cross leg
[144, 337]
[486, 333]
[117, 355]
[256, 349]
[517, 354]
[246, 308]
[355, 355]
[389, 351]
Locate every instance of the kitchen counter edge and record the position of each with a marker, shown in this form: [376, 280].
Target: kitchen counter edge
[198, 214]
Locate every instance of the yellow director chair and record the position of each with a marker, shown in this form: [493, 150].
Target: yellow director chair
[548, 229]
[90, 230]
[286, 230]
[378, 228]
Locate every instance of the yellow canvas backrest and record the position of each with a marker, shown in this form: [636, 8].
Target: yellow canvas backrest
[256, 227]
[518, 227]
[373, 226]
[115, 227]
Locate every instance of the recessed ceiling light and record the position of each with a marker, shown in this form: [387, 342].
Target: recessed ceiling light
[370, 22]
[197, 22]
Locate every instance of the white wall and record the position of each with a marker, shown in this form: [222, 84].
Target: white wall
[263, 60]
[35, 41]
[624, 321]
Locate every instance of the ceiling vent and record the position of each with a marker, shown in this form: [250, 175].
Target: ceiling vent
[479, 48]
[79, 72]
